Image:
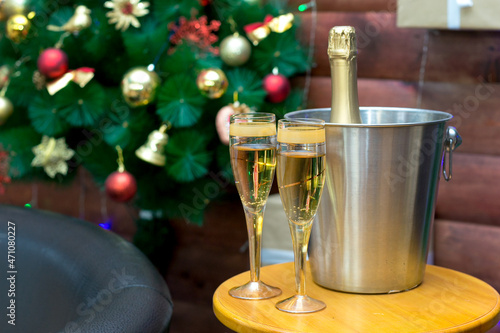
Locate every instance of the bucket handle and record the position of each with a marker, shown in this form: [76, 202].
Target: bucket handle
[451, 142]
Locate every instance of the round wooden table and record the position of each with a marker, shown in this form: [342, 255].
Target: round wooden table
[446, 301]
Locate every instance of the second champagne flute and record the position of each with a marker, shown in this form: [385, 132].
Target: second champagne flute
[301, 176]
[253, 159]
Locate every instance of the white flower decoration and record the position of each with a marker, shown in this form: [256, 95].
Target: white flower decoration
[125, 12]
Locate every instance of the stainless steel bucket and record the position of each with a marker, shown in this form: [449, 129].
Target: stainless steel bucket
[371, 233]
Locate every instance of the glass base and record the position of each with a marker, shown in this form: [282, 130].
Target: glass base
[300, 304]
[255, 290]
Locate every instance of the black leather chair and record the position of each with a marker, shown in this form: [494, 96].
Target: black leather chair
[73, 276]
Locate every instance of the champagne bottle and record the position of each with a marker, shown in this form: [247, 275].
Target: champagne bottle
[342, 52]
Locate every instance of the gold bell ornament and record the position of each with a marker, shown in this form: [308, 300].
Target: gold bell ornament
[153, 151]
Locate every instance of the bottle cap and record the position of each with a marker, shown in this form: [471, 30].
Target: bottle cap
[342, 42]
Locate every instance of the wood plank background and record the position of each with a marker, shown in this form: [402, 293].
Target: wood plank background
[389, 52]
[468, 247]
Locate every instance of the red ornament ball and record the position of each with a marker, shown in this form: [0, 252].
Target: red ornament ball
[53, 63]
[277, 87]
[121, 186]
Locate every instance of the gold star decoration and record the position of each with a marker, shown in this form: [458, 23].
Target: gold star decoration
[52, 154]
[125, 12]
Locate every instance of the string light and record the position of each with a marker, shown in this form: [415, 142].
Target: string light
[305, 6]
[106, 225]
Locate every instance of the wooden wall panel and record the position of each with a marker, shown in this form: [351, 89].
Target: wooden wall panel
[350, 5]
[463, 56]
[385, 52]
[389, 52]
[469, 248]
[476, 112]
[81, 199]
[473, 194]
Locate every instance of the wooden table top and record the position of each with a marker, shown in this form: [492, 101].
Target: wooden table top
[446, 301]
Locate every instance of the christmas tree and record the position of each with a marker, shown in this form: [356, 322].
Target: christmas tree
[85, 83]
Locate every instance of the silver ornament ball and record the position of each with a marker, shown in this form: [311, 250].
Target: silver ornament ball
[235, 50]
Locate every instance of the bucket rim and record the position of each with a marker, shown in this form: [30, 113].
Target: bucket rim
[445, 116]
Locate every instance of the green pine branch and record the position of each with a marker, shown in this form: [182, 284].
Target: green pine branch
[46, 117]
[143, 45]
[19, 142]
[179, 60]
[280, 50]
[82, 106]
[179, 101]
[247, 84]
[126, 131]
[170, 10]
[187, 156]
[100, 38]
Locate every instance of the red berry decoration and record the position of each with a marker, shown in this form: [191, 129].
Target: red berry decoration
[121, 186]
[53, 63]
[277, 87]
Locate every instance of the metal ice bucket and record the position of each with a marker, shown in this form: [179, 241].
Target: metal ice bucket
[371, 233]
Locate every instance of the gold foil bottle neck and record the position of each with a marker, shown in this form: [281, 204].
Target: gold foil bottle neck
[342, 51]
[342, 42]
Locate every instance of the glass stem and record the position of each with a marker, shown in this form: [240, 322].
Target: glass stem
[254, 221]
[300, 239]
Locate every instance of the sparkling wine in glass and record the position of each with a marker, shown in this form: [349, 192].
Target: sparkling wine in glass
[301, 176]
[253, 159]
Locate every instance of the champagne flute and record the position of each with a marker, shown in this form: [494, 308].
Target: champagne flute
[301, 176]
[253, 159]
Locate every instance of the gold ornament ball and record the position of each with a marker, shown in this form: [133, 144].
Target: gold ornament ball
[139, 86]
[12, 7]
[235, 50]
[212, 82]
[18, 27]
[6, 109]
